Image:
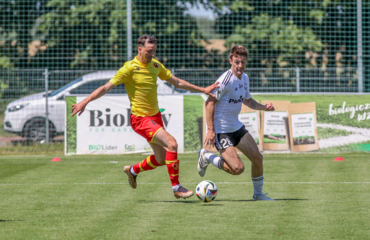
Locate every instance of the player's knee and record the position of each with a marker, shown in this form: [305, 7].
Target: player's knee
[172, 145]
[238, 169]
[258, 160]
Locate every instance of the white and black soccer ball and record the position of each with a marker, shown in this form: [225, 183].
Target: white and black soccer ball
[206, 191]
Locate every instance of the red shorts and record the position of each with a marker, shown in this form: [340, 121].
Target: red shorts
[147, 126]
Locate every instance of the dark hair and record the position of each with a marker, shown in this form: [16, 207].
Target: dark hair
[238, 51]
[144, 39]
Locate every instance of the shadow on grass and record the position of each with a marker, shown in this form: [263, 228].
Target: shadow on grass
[250, 200]
[204, 204]
[143, 201]
[212, 204]
[2, 220]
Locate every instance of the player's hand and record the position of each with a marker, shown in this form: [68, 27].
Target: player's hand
[210, 139]
[270, 107]
[78, 107]
[208, 90]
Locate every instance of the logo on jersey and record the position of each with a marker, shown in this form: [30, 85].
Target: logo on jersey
[240, 85]
[155, 65]
[236, 89]
[137, 68]
[218, 94]
[236, 100]
[245, 86]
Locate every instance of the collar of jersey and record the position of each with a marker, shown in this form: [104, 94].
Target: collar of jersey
[142, 64]
[236, 76]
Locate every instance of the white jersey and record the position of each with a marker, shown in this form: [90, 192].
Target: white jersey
[230, 96]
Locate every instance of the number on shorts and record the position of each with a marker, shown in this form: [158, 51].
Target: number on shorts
[225, 142]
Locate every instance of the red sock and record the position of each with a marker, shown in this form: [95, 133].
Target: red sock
[173, 167]
[147, 164]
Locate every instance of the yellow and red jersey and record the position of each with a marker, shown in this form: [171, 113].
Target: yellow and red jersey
[141, 85]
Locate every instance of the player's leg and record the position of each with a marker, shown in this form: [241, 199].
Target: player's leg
[249, 148]
[147, 127]
[169, 143]
[229, 161]
[149, 163]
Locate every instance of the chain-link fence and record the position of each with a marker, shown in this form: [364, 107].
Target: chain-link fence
[294, 46]
[90, 34]
[28, 113]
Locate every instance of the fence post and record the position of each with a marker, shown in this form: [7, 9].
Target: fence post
[297, 77]
[359, 46]
[173, 87]
[129, 30]
[46, 105]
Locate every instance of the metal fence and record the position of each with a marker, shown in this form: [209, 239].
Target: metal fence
[71, 35]
[294, 46]
[27, 112]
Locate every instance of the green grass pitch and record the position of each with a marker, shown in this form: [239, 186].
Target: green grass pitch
[87, 197]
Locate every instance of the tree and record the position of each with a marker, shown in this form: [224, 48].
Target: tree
[17, 17]
[91, 34]
[285, 30]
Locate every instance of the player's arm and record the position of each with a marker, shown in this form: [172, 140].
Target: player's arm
[179, 83]
[253, 104]
[80, 107]
[210, 110]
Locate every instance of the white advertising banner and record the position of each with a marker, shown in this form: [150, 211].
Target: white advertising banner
[251, 124]
[303, 129]
[104, 127]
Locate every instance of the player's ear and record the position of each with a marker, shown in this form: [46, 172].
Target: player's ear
[231, 60]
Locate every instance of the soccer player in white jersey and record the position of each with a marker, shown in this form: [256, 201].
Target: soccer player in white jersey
[225, 131]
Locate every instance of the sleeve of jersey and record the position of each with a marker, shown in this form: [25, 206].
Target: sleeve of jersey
[123, 75]
[248, 93]
[220, 92]
[164, 74]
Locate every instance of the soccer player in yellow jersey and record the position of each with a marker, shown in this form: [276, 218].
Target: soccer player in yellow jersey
[140, 79]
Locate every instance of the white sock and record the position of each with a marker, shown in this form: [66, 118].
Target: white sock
[176, 187]
[132, 171]
[257, 184]
[214, 159]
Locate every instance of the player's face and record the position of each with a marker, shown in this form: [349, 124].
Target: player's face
[147, 52]
[238, 64]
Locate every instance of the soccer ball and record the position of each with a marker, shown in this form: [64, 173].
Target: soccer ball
[206, 191]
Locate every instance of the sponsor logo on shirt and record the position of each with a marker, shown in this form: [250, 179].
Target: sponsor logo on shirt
[240, 85]
[245, 86]
[236, 89]
[236, 100]
[155, 65]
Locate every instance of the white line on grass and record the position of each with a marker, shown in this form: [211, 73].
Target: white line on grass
[158, 183]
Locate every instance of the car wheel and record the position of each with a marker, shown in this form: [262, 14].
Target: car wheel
[35, 129]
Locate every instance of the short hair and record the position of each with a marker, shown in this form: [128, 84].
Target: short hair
[144, 39]
[238, 51]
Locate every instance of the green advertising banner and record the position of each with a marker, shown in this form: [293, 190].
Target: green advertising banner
[343, 121]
